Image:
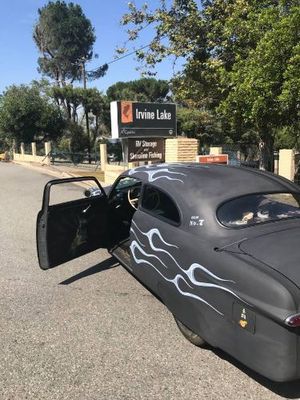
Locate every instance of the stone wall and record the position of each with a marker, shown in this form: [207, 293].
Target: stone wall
[29, 158]
[22, 157]
[111, 172]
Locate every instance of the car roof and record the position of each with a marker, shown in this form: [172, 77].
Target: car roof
[215, 183]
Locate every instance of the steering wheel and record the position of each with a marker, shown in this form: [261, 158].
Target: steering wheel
[133, 201]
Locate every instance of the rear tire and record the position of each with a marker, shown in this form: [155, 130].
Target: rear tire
[190, 335]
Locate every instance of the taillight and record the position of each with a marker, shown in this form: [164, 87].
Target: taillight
[293, 321]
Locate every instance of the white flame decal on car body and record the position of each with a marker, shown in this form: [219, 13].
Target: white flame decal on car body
[134, 245]
[185, 275]
[169, 175]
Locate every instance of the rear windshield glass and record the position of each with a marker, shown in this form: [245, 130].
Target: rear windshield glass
[258, 208]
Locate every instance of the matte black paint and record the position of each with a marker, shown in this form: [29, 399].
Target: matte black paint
[205, 273]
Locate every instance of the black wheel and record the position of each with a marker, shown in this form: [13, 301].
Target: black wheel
[190, 335]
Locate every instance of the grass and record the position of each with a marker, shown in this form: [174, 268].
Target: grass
[97, 174]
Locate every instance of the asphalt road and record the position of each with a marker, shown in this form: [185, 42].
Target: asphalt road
[88, 330]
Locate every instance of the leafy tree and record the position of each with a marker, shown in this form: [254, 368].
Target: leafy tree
[198, 124]
[68, 97]
[78, 138]
[88, 101]
[287, 138]
[94, 103]
[241, 61]
[26, 115]
[5, 142]
[145, 89]
[80, 103]
[261, 94]
[290, 94]
[65, 38]
[176, 29]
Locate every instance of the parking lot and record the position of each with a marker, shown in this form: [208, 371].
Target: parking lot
[89, 330]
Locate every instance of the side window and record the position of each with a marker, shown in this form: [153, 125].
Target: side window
[160, 204]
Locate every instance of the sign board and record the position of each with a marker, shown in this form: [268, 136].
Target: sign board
[132, 119]
[149, 149]
[213, 159]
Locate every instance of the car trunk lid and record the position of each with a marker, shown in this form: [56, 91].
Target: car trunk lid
[279, 249]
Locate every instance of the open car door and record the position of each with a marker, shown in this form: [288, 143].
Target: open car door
[69, 230]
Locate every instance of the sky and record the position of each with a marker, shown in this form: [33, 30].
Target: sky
[18, 55]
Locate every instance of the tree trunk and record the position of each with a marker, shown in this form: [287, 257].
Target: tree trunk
[87, 122]
[89, 135]
[266, 153]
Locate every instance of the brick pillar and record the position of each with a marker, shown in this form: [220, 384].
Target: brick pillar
[276, 162]
[14, 147]
[103, 156]
[47, 151]
[22, 149]
[287, 163]
[33, 149]
[181, 149]
[133, 164]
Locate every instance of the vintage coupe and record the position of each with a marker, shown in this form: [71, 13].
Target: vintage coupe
[219, 245]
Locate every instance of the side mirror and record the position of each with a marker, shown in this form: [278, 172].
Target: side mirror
[93, 191]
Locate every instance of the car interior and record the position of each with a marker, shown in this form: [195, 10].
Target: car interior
[123, 202]
[258, 208]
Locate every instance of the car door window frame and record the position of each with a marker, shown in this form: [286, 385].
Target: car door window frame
[158, 216]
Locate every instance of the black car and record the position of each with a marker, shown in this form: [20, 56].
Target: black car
[219, 245]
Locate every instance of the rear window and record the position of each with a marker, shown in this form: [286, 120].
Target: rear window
[258, 208]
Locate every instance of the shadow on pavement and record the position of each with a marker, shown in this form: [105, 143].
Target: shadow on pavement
[103, 266]
[289, 390]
